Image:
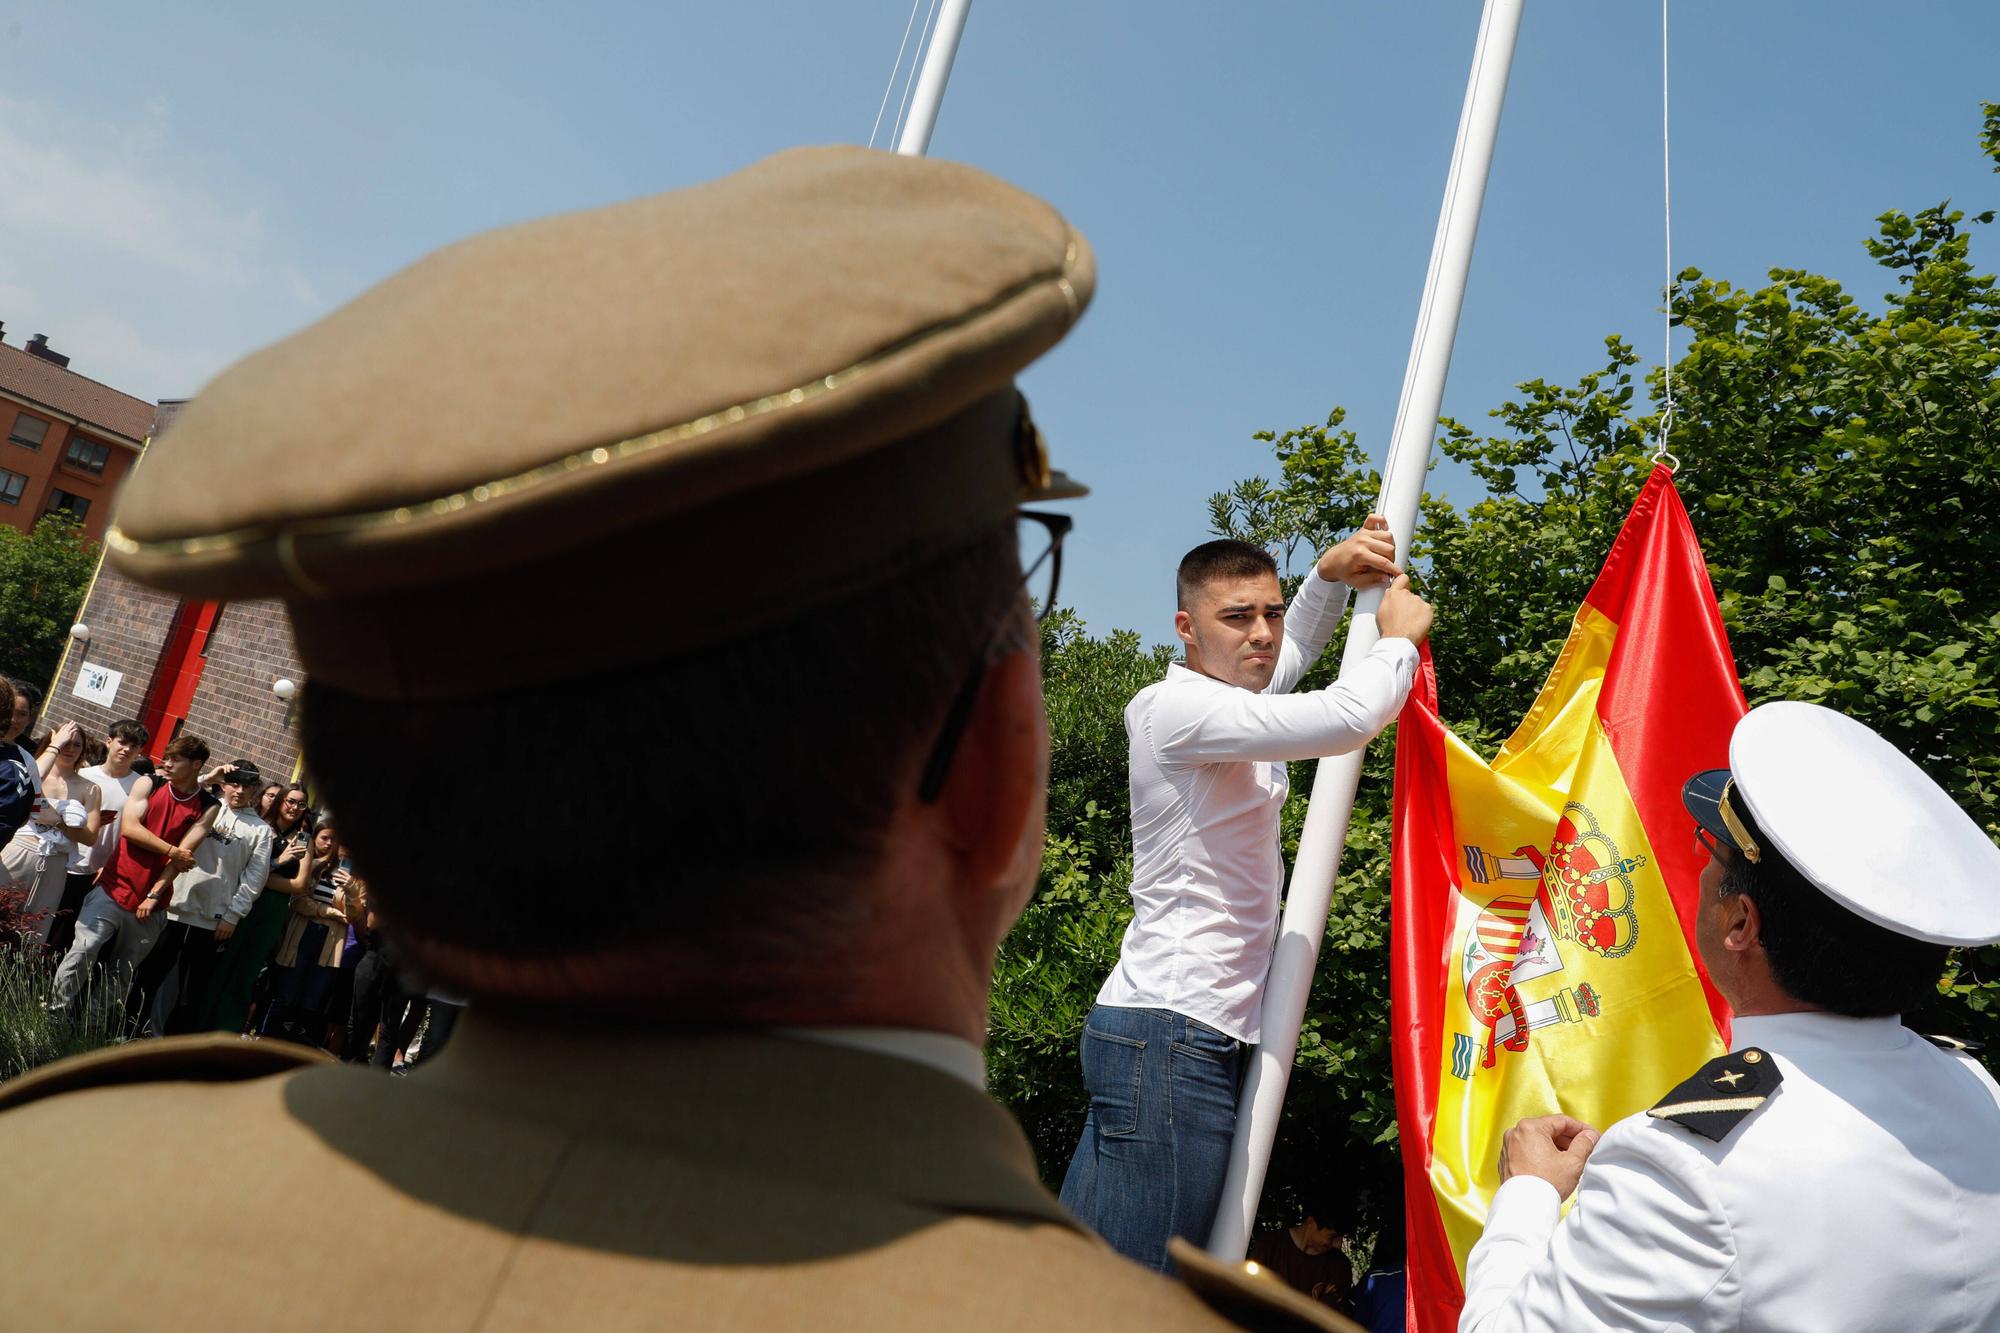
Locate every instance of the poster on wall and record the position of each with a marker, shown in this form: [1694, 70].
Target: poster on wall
[98, 684]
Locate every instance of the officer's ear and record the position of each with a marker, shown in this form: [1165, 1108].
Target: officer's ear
[1742, 924]
[993, 798]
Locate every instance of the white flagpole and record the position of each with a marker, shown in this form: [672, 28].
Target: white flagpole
[924, 103]
[1290, 981]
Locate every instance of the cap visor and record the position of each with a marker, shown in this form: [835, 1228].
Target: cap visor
[1061, 486]
[1703, 798]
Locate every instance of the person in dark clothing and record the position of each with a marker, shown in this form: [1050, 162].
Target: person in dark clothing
[225, 1004]
[1308, 1258]
[380, 1001]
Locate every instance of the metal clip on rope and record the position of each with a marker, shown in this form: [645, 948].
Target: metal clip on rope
[1660, 452]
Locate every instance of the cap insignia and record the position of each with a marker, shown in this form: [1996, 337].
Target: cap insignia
[1031, 452]
[1726, 806]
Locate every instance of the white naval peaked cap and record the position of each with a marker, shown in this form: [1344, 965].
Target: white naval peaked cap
[1856, 817]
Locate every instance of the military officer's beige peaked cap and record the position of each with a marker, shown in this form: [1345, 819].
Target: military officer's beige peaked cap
[817, 351]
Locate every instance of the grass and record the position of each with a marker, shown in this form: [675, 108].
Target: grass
[29, 1034]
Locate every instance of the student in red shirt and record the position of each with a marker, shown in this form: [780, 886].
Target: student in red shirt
[129, 899]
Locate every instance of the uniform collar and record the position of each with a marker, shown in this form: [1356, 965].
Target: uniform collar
[801, 1111]
[936, 1050]
[1784, 1033]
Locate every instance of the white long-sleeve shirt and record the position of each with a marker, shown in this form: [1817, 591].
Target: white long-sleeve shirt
[237, 851]
[1864, 1194]
[1208, 782]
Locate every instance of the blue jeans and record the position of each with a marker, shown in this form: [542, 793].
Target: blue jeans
[1155, 1144]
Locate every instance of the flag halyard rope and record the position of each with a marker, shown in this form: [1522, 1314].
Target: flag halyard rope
[894, 69]
[916, 64]
[1661, 454]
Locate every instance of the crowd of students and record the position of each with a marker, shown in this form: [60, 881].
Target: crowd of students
[178, 896]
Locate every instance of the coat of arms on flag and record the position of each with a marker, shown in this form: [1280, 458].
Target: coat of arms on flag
[1544, 902]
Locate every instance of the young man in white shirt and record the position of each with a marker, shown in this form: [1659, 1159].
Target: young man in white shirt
[1163, 1049]
[123, 743]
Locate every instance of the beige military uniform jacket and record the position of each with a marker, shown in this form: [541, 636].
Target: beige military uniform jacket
[578, 1176]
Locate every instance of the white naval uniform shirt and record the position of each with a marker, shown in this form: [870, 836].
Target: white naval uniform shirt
[1864, 1194]
[1208, 782]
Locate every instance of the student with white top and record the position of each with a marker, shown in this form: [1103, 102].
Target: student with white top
[1163, 1048]
[124, 743]
[65, 822]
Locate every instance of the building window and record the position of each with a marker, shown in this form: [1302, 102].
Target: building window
[11, 486]
[86, 455]
[28, 431]
[76, 506]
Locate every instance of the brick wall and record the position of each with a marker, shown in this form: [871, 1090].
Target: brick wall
[128, 629]
[234, 709]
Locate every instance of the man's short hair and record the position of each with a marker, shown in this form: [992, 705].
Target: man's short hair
[733, 795]
[186, 746]
[1226, 558]
[130, 731]
[1825, 955]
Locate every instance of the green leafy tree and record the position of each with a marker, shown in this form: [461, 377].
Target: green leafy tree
[1051, 965]
[1842, 470]
[43, 577]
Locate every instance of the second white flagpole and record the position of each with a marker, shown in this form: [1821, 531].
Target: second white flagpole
[1334, 783]
[931, 79]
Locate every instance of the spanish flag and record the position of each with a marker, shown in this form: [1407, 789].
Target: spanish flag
[1544, 903]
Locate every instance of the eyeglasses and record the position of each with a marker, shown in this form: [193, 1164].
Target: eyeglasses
[1038, 541]
[1038, 538]
[1708, 841]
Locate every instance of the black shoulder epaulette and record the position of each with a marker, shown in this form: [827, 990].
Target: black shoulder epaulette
[1250, 1297]
[209, 1057]
[1721, 1093]
[1956, 1045]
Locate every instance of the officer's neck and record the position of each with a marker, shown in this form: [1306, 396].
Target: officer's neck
[1789, 1006]
[1753, 993]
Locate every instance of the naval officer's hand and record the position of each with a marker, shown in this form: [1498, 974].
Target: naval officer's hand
[1367, 559]
[1552, 1147]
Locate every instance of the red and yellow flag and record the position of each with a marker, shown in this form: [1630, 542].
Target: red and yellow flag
[1543, 910]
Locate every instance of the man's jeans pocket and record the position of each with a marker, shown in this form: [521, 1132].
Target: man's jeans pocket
[1113, 1067]
[1199, 1039]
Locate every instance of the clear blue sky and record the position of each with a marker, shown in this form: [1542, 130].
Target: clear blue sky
[181, 183]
